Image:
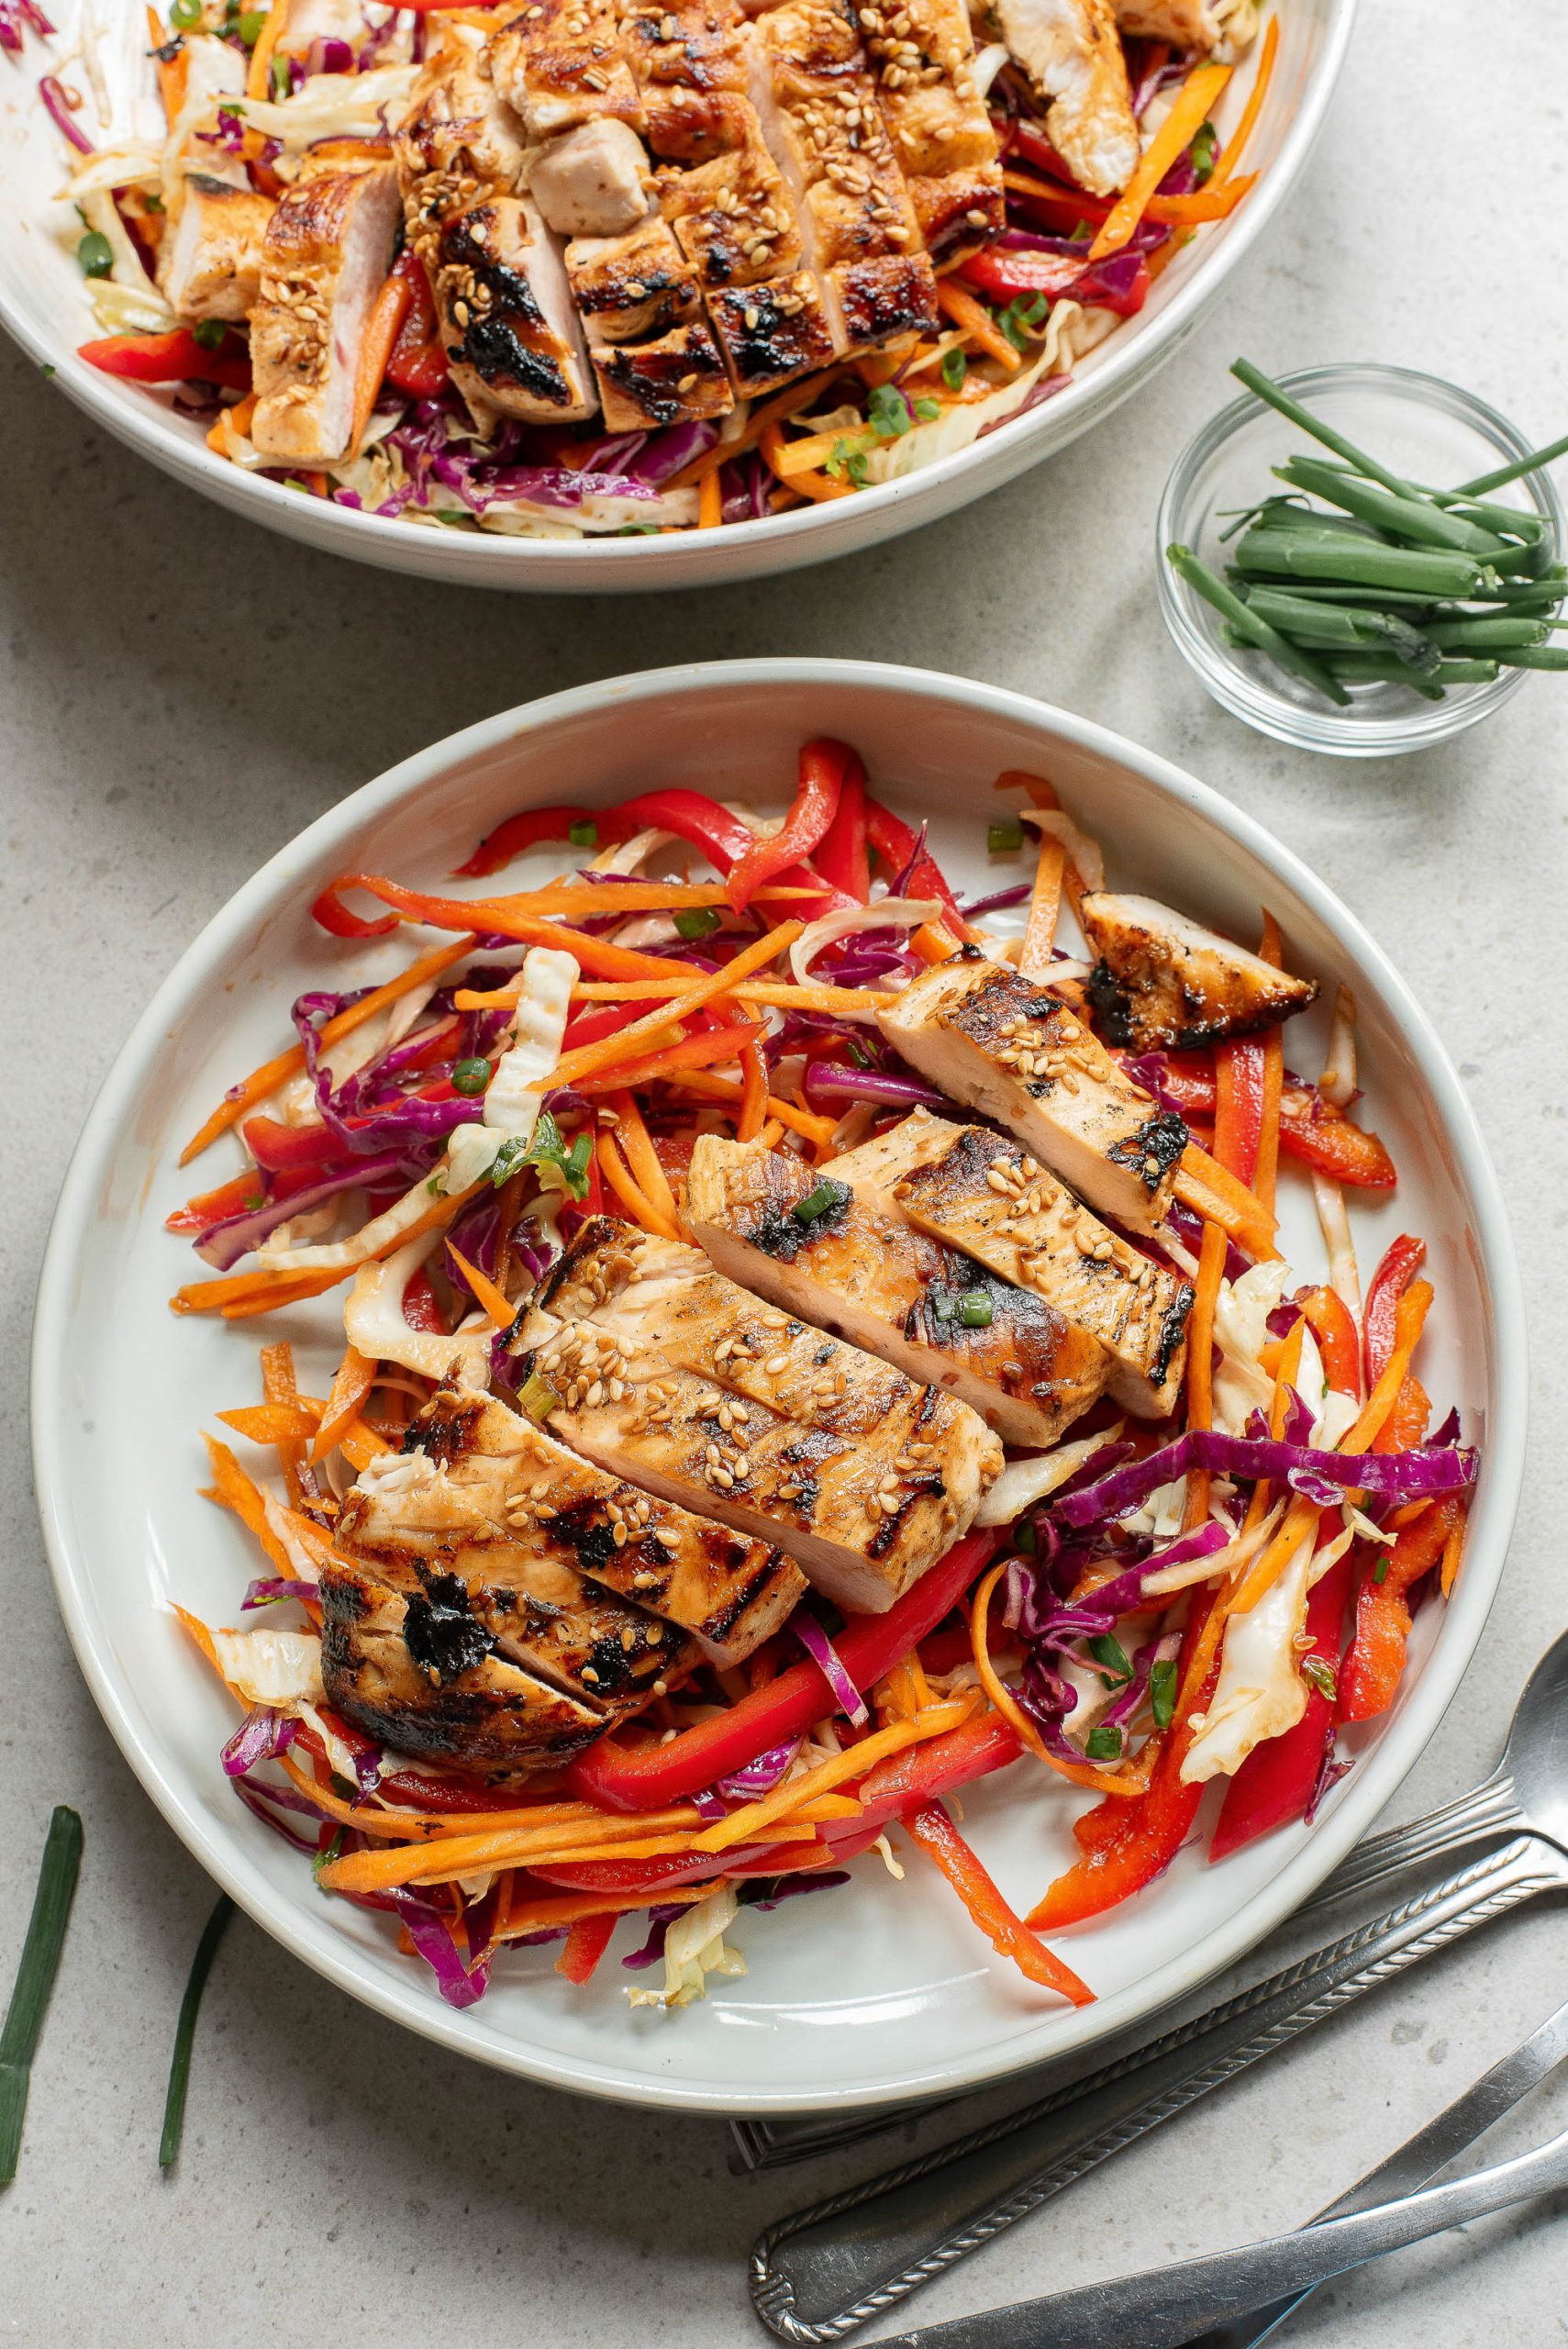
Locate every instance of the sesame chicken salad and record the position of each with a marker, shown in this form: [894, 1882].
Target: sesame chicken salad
[617, 266]
[807, 1343]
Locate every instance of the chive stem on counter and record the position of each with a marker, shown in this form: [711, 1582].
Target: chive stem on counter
[186, 2032]
[58, 1872]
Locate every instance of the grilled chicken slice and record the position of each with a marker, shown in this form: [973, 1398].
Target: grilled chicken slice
[1006, 1046]
[210, 265]
[592, 181]
[685, 60]
[559, 63]
[772, 333]
[861, 1270]
[325, 258]
[677, 379]
[1073, 53]
[937, 120]
[495, 269]
[415, 1669]
[631, 288]
[1162, 981]
[492, 1498]
[988, 1196]
[686, 1383]
[1189, 24]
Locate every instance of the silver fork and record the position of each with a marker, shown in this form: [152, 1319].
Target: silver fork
[1526, 1794]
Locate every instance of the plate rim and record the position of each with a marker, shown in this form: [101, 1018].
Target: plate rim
[814, 533]
[1384, 1767]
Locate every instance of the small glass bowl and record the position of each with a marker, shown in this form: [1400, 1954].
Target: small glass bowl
[1426, 429]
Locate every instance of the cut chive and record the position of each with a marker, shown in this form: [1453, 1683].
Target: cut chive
[1258, 633]
[695, 922]
[537, 1397]
[1487, 633]
[1108, 1649]
[1320, 1674]
[1384, 668]
[58, 1872]
[95, 255]
[821, 1201]
[1484, 482]
[1103, 1744]
[1003, 839]
[186, 2032]
[1162, 1691]
[1313, 591]
[1535, 656]
[1370, 565]
[1338, 625]
[584, 834]
[975, 1309]
[1380, 1572]
[470, 1076]
[1274, 396]
[1402, 518]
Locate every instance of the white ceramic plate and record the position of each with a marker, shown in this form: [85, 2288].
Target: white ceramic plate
[42, 303]
[879, 1989]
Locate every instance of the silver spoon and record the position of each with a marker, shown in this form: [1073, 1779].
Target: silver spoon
[1526, 1794]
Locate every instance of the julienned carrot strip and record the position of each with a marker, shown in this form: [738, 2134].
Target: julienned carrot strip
[619, 1175]
[932, 943]
[271, 1423]
[1203, 1185]
[238, 1492]
[1255, 97]
[279, 1385]
[460, 1855]
[380, 329]
[1212, 203]
[1181, 125]
[977, 323]
[709, 1087]
[242, 1293]
[710, 502]
[642, 1158]
[709, 1044]
[818, 486]
[354, 1379]
[259, 72]
[754, 1093]
[1200, 1363]
[781, 1811]
[1045, 908]
[544, 1916]
[623, 1045]
[778, 993]
[199, 1633]
[262, 1081]
[1008, 1935]
[559, 898]
[491, 1299]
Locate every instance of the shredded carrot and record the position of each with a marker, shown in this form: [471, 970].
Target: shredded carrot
[1081, 1774]
[932, 943]
[633, 1135]
[388, 311]
[610, 1837]
[174, 75]
[546, 1916]
[590, 1058]
[229, 420]
[754, 1093]
[723, 1088]
[977, 323]
[710, 501]
[1255, 97]
[1212, 203]
[783, 1807]
[199, 1632]
[1181, 125]
[240, 1294]
[1453, 1550]
[239, 1099]
[271, 1423]
[818, 486]
[491, 1299]
[1200, 1363]
[779, 993]
[701, 1049]
[240, 1493]
[1045, 906]
[1213, 1193]
[353, 1381]
[619, 1175]
[259, 72]
[772, 412]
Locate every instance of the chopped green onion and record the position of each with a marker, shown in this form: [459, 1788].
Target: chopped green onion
[1380, 1572]
[1103, 1744]
[96, 254]
[1487, 632]
[827, 1196]
[1535, 656]
[1386, 668]
[1274, 396]
[470, 1076]
[584, 834]
[250, 26]
[1024, 311]
[1343, 625]
[1003, 839]
[1258, 633]
[859, 1056]
[926, 410]
[955, 367]
[1320, 1673]
[1024, 1539]
[1402, 518]
[695, 922]
[1162, 1691]
[888, 412]
[537, 1397]
[976, 1309]
[58, 1872]
[1203, 152]
[1108, 1650]
[186, 2030]
[282, 79]
[848, 461]
[210, 333]
[185, 14]
[1368, 565]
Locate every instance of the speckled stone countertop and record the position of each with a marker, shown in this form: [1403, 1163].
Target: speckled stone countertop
[178, 693]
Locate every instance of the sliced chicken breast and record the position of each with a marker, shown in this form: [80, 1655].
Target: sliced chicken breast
[1189, 24]
[210, 263]
[632, 288]
[859, 1269]
[988, 1196]
[325, 258]
[592, 181]
[684, 1383]
[937, 120]
[686, 60]
[1164, 981]
[1004, 1045]
[485, 1494]
[559, 63]
[1073, 53]
[678, 378]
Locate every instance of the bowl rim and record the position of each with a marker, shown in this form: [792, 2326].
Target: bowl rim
[817, 531]
[317, 1942]
[1334, 732]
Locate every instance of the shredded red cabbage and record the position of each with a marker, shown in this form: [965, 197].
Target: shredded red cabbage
[223, 1244]
[262, 1736]
[460, 1983]
[760, 1776]
[1324, 1476]
[824, 1654]
[830, 1078]
[268, 1589]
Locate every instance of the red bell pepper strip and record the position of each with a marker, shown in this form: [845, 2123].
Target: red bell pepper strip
[1403, 1261]
[418, 365]
[1320, 1139]
[586, 1942]
[924, 1774]
[620, 1879]
[1275, 1782]
[1008, 276]
[235, 1197]
[842, 857]
[899, 849]
[1331, 1321]
[1407, 1424]
[1029, 143]
[174, 358]
[823, 765]
[422, 1307]
[1372, 1669]
[1007, 1934]
[1239, 1074]
[531, 825]
[334, 916]
[646, 1777]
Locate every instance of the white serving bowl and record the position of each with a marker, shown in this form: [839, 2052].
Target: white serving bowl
[43, 303]
[121, 1390]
